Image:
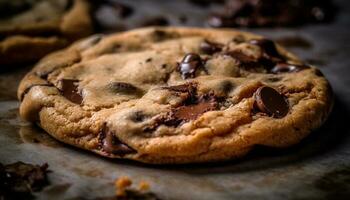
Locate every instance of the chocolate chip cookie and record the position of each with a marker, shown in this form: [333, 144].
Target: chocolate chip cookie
[175, 95]
[29, 29]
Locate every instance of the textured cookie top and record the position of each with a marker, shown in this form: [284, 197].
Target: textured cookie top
[165, 95]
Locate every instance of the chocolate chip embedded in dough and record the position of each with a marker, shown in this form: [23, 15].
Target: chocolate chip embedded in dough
[269, 101]
[189, 65]
[268, 46]
[210, 48]
[112, 145]
[287, 68]
[69, 89]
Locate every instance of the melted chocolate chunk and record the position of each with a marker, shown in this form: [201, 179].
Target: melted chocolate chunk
[125, 88]
[112, 145]
[210, 48]
[189, 65]
[19, 180]
[269, 101]
[191, 112]
[192, 106]
[287, 68]
[69, 89]
[268, 46]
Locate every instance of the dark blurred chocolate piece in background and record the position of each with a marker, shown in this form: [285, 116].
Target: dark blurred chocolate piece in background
[108, 15]
[155, 21]
[270, 13]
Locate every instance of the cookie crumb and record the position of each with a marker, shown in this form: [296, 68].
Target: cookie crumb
[144, 186]
[121, 184]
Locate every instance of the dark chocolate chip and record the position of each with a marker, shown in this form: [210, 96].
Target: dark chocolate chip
[69, 89]
[111, 144]
[122, 87]
[189, 65]
[268, 46]
[148, 60]
[286, 68]
[210, 48]
[269, 101]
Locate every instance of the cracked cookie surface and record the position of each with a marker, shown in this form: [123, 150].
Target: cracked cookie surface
[175, 95]
[30, 29]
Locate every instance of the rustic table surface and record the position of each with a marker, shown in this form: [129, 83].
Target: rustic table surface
[318, 168]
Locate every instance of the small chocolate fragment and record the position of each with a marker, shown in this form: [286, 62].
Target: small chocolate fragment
[287, 68]
[122, 87]
[210, 48]
[111, 144]
[69, 89]
[269, 101]
[189, 65]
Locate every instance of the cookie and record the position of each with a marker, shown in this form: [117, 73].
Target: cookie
[175, 95]
[30, 29]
